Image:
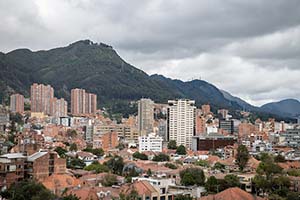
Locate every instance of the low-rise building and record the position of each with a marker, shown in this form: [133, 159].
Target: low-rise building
[151, 142]
[12, 169]
[211, 141]
[292, 138]
[15, 167]
[40, 165]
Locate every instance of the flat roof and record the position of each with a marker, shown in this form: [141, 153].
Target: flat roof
[36, 155]
[13, 155]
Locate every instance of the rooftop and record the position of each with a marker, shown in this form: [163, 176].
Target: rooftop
[36, 155]
[13, 155]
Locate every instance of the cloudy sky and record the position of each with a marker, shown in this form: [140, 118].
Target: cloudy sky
[249, 48]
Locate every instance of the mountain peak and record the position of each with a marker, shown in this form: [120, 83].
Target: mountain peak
[88, 42]
[289, 101]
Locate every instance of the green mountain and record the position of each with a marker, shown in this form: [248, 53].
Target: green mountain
[287, 107]
[99, 69]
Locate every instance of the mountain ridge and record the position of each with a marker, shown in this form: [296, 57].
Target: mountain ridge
[286, 107]
[98, 68]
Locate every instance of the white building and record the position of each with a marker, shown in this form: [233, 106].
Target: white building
[211, 129]
[181, 121]
[162, 183]
[152, 142]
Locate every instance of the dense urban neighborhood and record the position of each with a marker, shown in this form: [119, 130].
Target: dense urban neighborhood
[51, 149]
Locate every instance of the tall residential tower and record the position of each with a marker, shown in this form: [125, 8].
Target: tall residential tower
[181, 121]
[17, 103]
[145, 116]
[83, 102]
[40, 96]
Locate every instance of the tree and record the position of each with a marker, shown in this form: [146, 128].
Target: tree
[242, 157]
[149, 172]
[172, 144]
[268, 169]
[171, 166]
[75, 163]
[140, 156]
[232, 181]
[202, 163]
[187, 179]
[12, 127]
[61, 151]
[279, 158]
[219, 166]
[161, 157]
[269, 177]
[98, 151]
[192, 176]
[293, 172]
[292, 195]
[109, 180]
[16, 118]
[261, 184]
[97, 167]
[181, 150]
[69, 197]
[211, 185]
[276, 197]
[280, 185]
[115, 164]
[214, 185]
[28, 189]
[73, 147]
[265, 157]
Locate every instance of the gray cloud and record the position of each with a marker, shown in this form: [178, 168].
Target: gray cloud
[249, 48]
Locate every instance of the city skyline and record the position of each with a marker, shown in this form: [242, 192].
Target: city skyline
[149, 100]
[241, 42]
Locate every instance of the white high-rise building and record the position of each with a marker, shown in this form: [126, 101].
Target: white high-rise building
[181, 121]
[151, 142]
[145, 116]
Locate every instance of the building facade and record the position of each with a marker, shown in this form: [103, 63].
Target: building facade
[17, 103]
[12, 169]
[181, 121]
[211, 142]
[83, 102]
[292, 138]
[40, 97]
[4, 119]
[151, 142]
[145, 116]
[227, 125]
[58, 107]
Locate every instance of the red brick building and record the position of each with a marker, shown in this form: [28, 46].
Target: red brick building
[82, 102]
[110, 140]
[43, 164]
[200, 125]
[17, 103]
[12, 169]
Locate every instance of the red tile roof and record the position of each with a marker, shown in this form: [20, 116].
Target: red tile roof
[232, 194]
